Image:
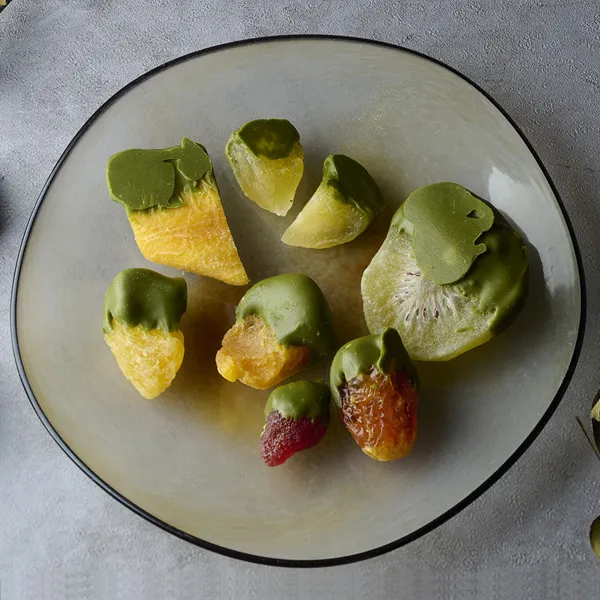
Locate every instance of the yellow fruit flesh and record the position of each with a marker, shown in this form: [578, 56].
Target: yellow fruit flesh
[150, 359]
[325, 221]
[251, 354]
[194, 237]
[270, 183]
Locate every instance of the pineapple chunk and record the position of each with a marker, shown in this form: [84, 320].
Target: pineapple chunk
[194, 237]
[149, 359]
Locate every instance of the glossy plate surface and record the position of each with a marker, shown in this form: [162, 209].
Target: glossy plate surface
[189, 460]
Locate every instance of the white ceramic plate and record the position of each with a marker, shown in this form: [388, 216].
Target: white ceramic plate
[189, 461]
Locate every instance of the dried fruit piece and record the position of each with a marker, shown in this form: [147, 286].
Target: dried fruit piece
[149, 359]
[174, 208]
[374, 385]
[282, 324]
[251, 354]
[440, 321]
[268, 161]
[142, 312]
[345, 203]
[297, 415]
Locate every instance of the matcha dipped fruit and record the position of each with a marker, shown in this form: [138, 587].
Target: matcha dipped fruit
[343, 206]
[374, 386]
[450, 275]
[142, 312]
[297, 416]
[174, 208]
[268, 161]
[282, 324]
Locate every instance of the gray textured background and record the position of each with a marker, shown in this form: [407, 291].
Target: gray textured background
[62, 537]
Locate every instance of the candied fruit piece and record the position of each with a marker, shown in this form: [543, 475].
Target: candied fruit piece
[251, 354]
[380, 412]
[283, 436]
[268, 161]
[149, 359]
[343, 206]
[194, 237]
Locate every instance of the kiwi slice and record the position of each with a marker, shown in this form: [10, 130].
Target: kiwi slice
[441, 321]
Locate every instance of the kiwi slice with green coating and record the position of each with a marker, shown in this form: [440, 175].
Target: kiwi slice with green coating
[343, 206]
[268, 162]
[441, 321]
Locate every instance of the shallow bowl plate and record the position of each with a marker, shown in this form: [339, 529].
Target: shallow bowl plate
[188, 461]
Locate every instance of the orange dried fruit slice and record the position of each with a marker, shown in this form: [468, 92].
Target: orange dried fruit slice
[252, 354]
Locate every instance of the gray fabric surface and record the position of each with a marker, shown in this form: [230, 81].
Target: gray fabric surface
[62, 537]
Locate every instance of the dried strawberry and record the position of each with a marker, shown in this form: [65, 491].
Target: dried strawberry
[297, 415]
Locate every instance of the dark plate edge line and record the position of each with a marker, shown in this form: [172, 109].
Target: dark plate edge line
[269, 561]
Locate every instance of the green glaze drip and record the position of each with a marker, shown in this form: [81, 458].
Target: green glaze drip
[351, 183]
[271, 138]
[448, 221]
[141, 179]
[295, 308]
[498, 277]
[385, 352]
[147, 298]
[300, 399]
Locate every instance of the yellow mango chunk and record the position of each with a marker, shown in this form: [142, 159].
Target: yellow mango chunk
[251, 354]
[194, 237]
[150, 359]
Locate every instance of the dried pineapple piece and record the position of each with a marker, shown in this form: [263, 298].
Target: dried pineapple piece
[194, 237]
[142, 312]
[174, 208]
[149, 359]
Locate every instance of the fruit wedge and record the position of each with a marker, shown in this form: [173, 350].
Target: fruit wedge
[268, 161]
[194, 237]
[343, 206]
[142, 311]
[174, 208]
[441, 321]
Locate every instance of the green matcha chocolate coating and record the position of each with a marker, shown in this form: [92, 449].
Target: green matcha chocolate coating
[300, 399]
[497, 278]
[353, 184]
[271, 138]
[146, 298]
[448, 221]
[295, 308]
[140, 179]
[384, 351]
